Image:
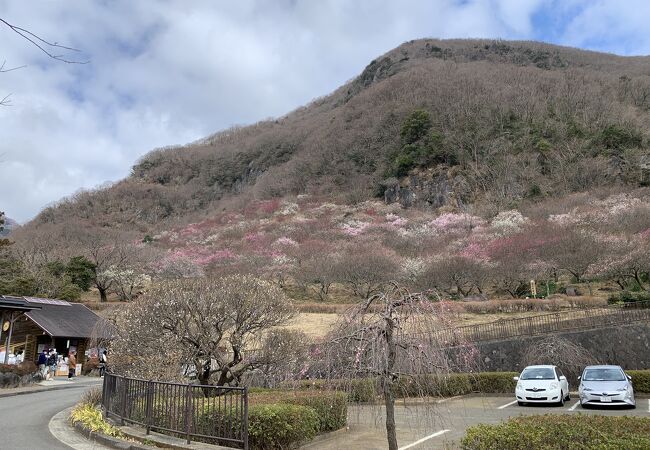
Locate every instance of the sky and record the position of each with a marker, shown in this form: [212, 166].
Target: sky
[169, 72]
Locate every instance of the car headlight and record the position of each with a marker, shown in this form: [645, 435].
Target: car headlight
[587, 389]
[519, 387]
[623, 389]
[554, 385]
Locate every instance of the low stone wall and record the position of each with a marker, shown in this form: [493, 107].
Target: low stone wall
[627, 346]
[13, 380]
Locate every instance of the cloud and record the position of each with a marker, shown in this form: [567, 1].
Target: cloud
[170, 72]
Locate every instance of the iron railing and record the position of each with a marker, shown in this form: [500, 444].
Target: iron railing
[545, 324]
[212, 414]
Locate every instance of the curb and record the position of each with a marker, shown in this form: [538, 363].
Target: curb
[47, 389]
[108, 440]
[324, 437]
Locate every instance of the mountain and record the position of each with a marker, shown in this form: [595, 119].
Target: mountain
[467, 167]
[9, 224]
[458, 124]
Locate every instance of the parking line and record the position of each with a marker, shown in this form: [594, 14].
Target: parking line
[649, 405]
[506, 405]
[574, 406]
[443, 400]
[426, 438]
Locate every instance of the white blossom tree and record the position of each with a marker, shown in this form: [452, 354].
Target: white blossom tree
[206, 326]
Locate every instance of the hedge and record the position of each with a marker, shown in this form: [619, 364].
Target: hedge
[363, 390]
[331, 407]
[640, 380]
[554, 431]
[280, 426]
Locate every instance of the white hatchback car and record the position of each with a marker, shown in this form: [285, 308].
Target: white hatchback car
[541, 384]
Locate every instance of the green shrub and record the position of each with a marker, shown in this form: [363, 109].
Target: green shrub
[493, 382]
[280, 426]
[415, 126]
[561, 431]
[629, 297]
[615, 137]
[359, 390]
[331, 408]
[367, 389]
[640, 380]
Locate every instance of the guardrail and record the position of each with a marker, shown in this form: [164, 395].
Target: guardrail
[212, 414]
[545, 324]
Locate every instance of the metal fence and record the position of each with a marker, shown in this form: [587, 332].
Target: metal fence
[546, 324]
[212, 414]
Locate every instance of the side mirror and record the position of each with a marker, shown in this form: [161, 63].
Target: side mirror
[579, 377]
[628, 377]
[562, 377]
[515, 378]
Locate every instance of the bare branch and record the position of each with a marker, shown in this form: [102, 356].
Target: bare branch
[43, 45]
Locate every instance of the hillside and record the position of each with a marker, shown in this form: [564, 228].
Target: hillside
[507, 122]
[466, 167]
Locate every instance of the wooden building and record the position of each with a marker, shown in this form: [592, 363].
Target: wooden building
[46, 323]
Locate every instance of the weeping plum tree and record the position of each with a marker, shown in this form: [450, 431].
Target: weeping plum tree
[205, 326]
[391, 337]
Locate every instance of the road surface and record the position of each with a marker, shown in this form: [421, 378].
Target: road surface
[24, 418]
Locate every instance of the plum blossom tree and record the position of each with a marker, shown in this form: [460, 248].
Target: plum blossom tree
[390, 336]
[207, 326]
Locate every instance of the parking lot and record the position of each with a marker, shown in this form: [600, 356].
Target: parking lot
[440, 424]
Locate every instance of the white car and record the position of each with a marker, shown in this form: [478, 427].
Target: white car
[542, 384]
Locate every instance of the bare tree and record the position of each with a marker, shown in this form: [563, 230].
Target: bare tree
[366, 268]
[205, 326]
[389, 336]
[567, 355]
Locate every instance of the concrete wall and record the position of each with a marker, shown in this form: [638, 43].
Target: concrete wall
[627, 346]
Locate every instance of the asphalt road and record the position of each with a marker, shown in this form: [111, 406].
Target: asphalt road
[441, 424]
[24, 418]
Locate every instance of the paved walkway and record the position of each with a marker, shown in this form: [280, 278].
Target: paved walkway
[56, 384]
[25, 418]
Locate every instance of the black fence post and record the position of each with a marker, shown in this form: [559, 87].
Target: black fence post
[188, 400]
[149, 405]
[104, 406]
[245, 421]
[123, 396]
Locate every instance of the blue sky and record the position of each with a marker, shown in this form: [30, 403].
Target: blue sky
[168, 72]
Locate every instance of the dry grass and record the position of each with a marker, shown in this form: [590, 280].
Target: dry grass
[317, 318]
[313, 324]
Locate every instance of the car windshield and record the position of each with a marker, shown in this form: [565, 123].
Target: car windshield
[538, 373]
[606, 374]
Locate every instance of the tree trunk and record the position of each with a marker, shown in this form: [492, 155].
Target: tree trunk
[102, 294]
[387, 384]
[389, 401]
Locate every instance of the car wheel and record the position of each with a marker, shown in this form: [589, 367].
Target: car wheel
[584, 406]
[568, 397]
[521, 403]
[561, 402]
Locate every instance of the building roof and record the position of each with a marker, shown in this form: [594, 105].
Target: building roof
[9, 303]
[59, 318]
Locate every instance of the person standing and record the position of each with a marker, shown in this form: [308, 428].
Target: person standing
[103, 360]
[42, 363]
[52, 362]
[72, 364]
